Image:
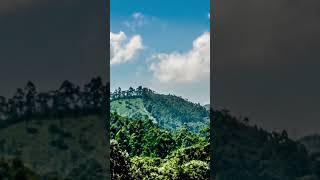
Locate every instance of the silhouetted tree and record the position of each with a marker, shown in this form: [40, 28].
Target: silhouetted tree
[3, 108]
[31, 93]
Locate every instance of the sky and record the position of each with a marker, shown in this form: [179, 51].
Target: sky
[266, 63]
[162, 45]
[48, 42]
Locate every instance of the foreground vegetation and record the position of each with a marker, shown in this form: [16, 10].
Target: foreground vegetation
[140, 149]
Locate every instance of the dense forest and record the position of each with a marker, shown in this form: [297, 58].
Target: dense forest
[58, 134]
[169, 111]
[140, 149]
[144, 148]
[243, 151]
[157, 136]
[153, 136]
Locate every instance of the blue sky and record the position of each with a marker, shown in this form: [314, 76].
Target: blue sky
[154, 42]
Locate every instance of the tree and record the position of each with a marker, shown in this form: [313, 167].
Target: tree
[18, 99]
[120, 164]
[67, 90]
[43, 101]
[165, 144]
[3, 108]
[139, 91]
[31, 92]
[131, 92]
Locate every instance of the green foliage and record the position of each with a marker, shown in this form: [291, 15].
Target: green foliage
[195, 170]
[152, 152]
[168, 111]
[173, 112]
[120, 163]
[144, 167]
[144, 138]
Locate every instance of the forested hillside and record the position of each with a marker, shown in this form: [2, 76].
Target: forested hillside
[15, 170]
[141, 149]
[153, 136]
[312, 143]
[247, 152]
[58, 134]
[169, 111]
[68, 147]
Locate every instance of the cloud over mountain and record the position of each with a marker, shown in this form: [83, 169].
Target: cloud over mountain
[122, 49]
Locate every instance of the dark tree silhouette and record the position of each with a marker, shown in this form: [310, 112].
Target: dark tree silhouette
[68, 100]
[31, 93]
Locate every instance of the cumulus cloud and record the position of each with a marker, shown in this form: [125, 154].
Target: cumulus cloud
[137, 20]
[122, 49]
[186, 67]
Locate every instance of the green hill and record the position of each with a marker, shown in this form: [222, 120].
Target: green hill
[70, 148]
[133, 108]
[247, 152]
[169, 111]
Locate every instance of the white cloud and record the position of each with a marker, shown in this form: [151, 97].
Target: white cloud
[122, 49]
[137, 20]
[186, 67]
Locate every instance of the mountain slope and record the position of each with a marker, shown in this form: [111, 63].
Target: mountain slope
[312, 143]
[65, 148]
[15, 169]
[248, 152]
[169, 111]
[140, 149]
[132, 108]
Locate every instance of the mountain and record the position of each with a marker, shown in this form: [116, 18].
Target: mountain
[207, 106]
[169, 111]
[312, 143]
[58, 148]
[247, 152]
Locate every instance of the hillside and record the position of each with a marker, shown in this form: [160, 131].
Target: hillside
[169, 111]
[14, 169]
[247, 152]
[140, 149]
[64, 148]
[312, 143]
